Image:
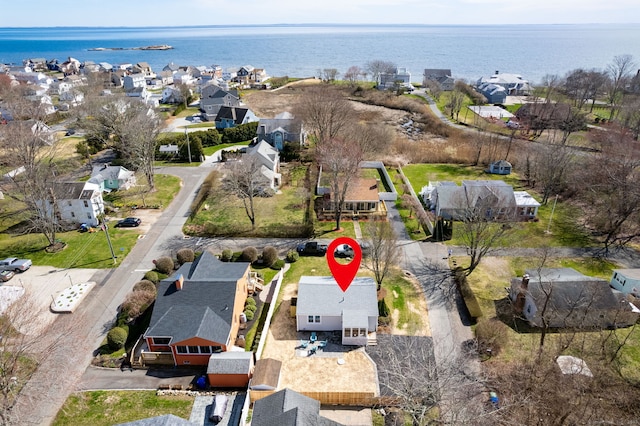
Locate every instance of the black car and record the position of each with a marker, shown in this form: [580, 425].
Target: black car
[128, 222]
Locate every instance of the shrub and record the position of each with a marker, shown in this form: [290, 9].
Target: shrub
[137, 302]
[492, 335]
[145, 285]
[383, 309]
[116, 338]
[292, 256]
[164, 265]
[269, 256]
[250, 254]
[252, 308]
[250, 301]
[249, 314]
[227, 255]
[152, 276]
[278, 265]
[185, 255]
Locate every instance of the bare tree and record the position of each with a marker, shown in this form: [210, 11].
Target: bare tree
[583, 86]
[245, 180]
[353, 74]
[486, 217]
[378, 66]
[340, 160]
[619, 72]
[434, 88]
[552, 168]
[384, 249]
[129, 126]
[330, 74]
[608, 183]
[29, 146]
[454, 103]
[325, 111]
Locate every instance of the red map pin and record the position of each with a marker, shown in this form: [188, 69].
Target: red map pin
[344, 274]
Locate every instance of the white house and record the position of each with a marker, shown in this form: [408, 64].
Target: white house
[626, 281]
[132, 81]
[323, 306]
[269, 158]
[110, 178]
[74, 97]
[77, 203]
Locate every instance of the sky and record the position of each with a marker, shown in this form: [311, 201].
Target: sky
[141, 13]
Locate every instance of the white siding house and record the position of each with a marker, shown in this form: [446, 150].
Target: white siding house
[323, 306]
[77, 203]
[626, 281]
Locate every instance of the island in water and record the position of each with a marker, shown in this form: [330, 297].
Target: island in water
[154, 47]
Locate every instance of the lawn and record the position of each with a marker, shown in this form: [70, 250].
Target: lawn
[210, 150]
[167, 187]
[107, 408]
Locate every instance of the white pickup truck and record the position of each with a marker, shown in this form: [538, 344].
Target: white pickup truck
[15, 264]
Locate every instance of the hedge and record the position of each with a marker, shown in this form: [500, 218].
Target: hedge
[116, 338]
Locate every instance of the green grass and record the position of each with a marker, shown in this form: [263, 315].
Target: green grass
[83, 250]
[167, 187]
[97, 408]
[327, 229]
[205, 124]
[402, 296]
[210, 150]
[188, 112]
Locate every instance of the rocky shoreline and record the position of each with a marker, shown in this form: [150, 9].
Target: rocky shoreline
[155, 47]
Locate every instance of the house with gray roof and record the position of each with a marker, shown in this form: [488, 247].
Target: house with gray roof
[565, 298]
[231, 116]
[213, 97]
[513, 84]
[112, 178]
[269, 159]
[288, 408]
[323, 306]
[75, 203]
[197, 312]
[283, 128]
[440, 76]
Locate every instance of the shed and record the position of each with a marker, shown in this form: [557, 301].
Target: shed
[230, 369]
[500, 167]
[266, 375]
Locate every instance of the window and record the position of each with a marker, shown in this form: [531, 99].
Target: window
[318, 318]
[205, 349]
[181, 349]
[354, 332]
[347, 332]
[310, 318]
[216, 349]
[86, 203]
[193, 350]
[161, 340]
[363, 332]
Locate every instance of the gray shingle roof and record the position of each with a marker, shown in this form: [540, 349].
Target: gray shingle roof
[230, 363]
[323, 296]
[287, 407]
[204, 306]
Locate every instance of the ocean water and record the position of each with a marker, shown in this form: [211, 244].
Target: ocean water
[301, 50]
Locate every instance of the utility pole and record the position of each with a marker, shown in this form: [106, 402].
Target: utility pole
[188, 144]
[106, 232]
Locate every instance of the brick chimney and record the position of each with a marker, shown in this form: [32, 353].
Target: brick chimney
[180, 282]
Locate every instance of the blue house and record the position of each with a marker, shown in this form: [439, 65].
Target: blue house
[230, 116]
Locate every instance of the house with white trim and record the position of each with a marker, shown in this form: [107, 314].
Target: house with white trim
[626, 280]
[323, 306]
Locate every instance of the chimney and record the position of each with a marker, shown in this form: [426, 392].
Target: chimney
[180, 282]
[525, 282]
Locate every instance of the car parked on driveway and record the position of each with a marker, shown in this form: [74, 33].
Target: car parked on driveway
[14, 264]
[129, 222]
[6, 275]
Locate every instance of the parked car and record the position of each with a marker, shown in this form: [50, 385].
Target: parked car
[343, 250]
[14, 264]
[311, 248]
[129, 222]
[218, 409]
[6, 275]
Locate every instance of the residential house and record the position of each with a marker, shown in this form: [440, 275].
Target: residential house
[266, 375]
[88, 67]
[197, 312]
[442, 77]
[76, 80]
[494, 93]
[233, 116]
[106, 67]
[171, 95]
[213, 98]
[112, 178]
[171, 67]
[390, 80]
[124, 66]
[526, 206]
[323, 306]
[500, 167]
[231, 369]
[514, 84]
[133, 81]
[75, 203]
[269, 159]
[138, 92]
[36, 64]
[73, 97]
[70, 66]
[361, 200]
[183, 77]
[244, 73]
[288, 408]
[283, 128]
[143, 68]
[565, 298]
[627, 281]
